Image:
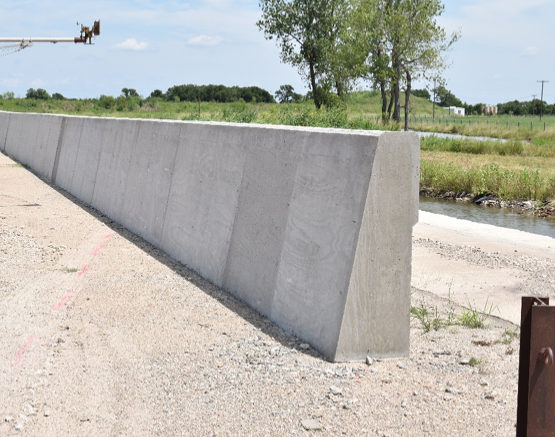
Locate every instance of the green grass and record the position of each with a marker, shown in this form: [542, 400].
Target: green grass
[473, 362]
[488, 127]
[509, 335]
[303, 114]
[470, 317]
[438, 175]
[473, 318]
[476, 147]
[428, 320]
[523, 168]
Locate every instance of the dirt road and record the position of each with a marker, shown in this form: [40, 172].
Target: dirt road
[103, 335]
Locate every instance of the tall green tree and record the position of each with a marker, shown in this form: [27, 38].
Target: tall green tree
[287, 94]
[307, 33]
[129, 92]
[406, 44]
[38, 93]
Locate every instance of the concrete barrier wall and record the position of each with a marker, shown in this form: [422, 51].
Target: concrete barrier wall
[311, 227]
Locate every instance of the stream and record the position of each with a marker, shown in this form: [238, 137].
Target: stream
[458, 136]
[502, 217]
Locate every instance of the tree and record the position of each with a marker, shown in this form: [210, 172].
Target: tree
[306, 32]
[446, 98]
[284, 94]
[287, 94]
[157, 93]
[405, 44]
[217, 93]
[425, 94]
[58, 96]
[129, 92]
[37, 94]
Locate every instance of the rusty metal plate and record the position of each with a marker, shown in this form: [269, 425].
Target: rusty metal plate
[541, 382]
[524, 362]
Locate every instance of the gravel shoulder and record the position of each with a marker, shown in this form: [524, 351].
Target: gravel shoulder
[480, 265]
[103, 335]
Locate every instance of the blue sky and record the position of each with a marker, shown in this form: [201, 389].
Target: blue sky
[506, 46]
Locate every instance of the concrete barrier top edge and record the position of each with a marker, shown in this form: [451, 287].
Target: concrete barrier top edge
[373, 133]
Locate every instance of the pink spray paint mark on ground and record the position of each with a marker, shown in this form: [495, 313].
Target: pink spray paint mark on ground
[83, 270]
[98, 249]
[22, 350]
[62, 300]
[109, 235]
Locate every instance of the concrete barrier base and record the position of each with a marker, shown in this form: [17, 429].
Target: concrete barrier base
[311, 227]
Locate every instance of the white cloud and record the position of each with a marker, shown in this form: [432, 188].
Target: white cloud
[507, 22]
[529, 51]
[131, 44]
[205, 41]
[38, 83]
[12, 83]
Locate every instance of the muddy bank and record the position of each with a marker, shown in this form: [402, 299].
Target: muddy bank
[520, 206]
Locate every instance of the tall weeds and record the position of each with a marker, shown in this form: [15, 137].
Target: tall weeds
[538, 148]
[488, 179]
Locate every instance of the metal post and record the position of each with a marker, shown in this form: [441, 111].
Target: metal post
[536, 376]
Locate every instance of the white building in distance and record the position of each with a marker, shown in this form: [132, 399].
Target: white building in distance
[456, 111]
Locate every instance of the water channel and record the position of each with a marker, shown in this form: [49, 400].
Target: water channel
[458, 136]
[504, 218]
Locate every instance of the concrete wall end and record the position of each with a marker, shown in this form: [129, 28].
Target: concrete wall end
[311, 227]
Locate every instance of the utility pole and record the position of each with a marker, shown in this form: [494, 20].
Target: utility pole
[434, 103]
[533, 103]
[541, 101]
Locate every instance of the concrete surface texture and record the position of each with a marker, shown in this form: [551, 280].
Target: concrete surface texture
[480, 265]
[311, 227]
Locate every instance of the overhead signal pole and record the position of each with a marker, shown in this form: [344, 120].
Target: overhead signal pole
[86, 37]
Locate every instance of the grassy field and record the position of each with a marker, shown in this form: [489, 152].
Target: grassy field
[303, 114]
[522, 168]
[495, 127]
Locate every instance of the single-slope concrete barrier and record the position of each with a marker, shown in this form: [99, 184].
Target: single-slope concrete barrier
[311, 227]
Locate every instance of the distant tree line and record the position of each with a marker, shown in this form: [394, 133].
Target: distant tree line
[285, 94]
[182, 93]
[446, 98]
[214, 93]
[525, 108]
